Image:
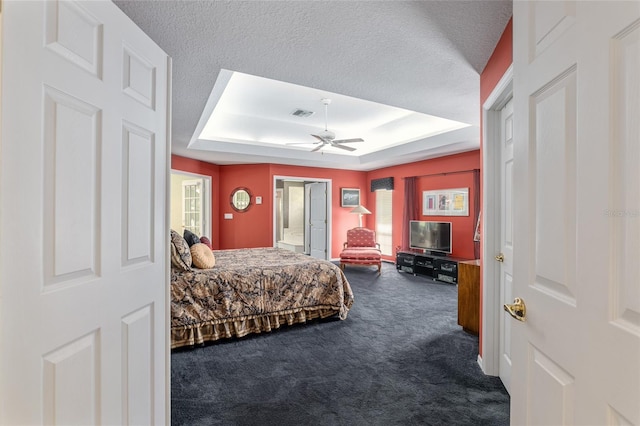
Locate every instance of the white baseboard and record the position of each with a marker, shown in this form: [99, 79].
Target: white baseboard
[481, 363]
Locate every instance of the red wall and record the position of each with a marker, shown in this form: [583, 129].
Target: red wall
[498, 64]
[254, 228]
[463, 226]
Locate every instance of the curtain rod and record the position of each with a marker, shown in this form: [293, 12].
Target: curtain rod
[444, 173]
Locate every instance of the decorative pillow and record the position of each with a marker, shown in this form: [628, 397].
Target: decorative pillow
[180, 254]
[202, 256]
[206, 242]
[190, 237]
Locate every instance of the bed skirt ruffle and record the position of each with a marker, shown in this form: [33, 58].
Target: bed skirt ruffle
[240, 327]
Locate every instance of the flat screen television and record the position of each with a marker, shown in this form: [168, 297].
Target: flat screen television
[430, 236]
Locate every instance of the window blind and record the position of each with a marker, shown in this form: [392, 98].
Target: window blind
[384, 208]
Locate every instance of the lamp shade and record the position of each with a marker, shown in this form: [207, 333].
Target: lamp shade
[360, 209]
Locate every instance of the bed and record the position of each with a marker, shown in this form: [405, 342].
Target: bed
[253, 291]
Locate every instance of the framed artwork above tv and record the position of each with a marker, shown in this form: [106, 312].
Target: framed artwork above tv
[446, 202]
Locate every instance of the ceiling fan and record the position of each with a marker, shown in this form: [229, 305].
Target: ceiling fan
[327, 137]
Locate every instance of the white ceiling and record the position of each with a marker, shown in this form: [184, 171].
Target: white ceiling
[389, 68]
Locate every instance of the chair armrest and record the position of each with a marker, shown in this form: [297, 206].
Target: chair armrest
[378, 246]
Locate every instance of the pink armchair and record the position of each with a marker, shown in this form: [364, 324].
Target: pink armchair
[361, 249]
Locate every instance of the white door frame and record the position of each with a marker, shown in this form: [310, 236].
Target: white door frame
[491, 310]
[302, 179]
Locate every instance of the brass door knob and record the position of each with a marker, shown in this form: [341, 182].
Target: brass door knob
[517, 309]
[500, 257]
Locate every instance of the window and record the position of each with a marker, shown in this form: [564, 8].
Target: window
[192, 205]
[384, 234]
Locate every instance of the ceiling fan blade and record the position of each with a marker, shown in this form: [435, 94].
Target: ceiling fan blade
[346, 148]
[317, 147]
[302, 143]
[348, 140]
[319, 138]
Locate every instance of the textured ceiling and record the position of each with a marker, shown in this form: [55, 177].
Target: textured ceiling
[423, 56]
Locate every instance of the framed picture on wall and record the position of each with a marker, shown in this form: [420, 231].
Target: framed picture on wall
[476, 235]
[446, 202]
[350, 197]
[429, 204]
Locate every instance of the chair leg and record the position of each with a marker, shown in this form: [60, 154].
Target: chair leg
[379, 268]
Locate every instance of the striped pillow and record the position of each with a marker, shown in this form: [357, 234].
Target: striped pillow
[180, 253]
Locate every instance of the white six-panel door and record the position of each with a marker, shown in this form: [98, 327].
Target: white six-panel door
[506, 238]
[83, 172]
[576, 359]
[318, 220]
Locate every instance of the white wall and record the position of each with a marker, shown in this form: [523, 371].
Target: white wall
[296, 208]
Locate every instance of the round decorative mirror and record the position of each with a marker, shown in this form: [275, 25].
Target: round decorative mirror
[240, 199]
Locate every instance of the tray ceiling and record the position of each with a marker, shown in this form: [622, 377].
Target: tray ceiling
[388, 66]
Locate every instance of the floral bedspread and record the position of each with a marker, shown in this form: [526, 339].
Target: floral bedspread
[253, 291]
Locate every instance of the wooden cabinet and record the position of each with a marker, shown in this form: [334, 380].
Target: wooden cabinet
[469, 295]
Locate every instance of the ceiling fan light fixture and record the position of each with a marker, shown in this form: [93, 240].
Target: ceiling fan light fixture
[327, 134]
[327, 138]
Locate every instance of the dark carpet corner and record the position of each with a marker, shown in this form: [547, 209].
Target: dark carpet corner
[399, 358]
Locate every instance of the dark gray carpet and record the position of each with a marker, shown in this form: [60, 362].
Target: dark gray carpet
[398, 359]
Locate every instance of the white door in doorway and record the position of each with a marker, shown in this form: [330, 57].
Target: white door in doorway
[505, 257]
[279, 205]
[192, 203]
[576, 358]
[83, 178]
[318, 220]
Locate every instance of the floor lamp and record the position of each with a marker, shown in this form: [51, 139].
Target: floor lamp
[360, 210]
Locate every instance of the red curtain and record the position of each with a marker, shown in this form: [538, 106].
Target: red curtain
[411, 210]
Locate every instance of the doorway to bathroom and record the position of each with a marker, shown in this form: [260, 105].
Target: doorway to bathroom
[302, 215]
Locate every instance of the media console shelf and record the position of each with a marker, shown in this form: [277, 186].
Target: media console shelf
[441, 268]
